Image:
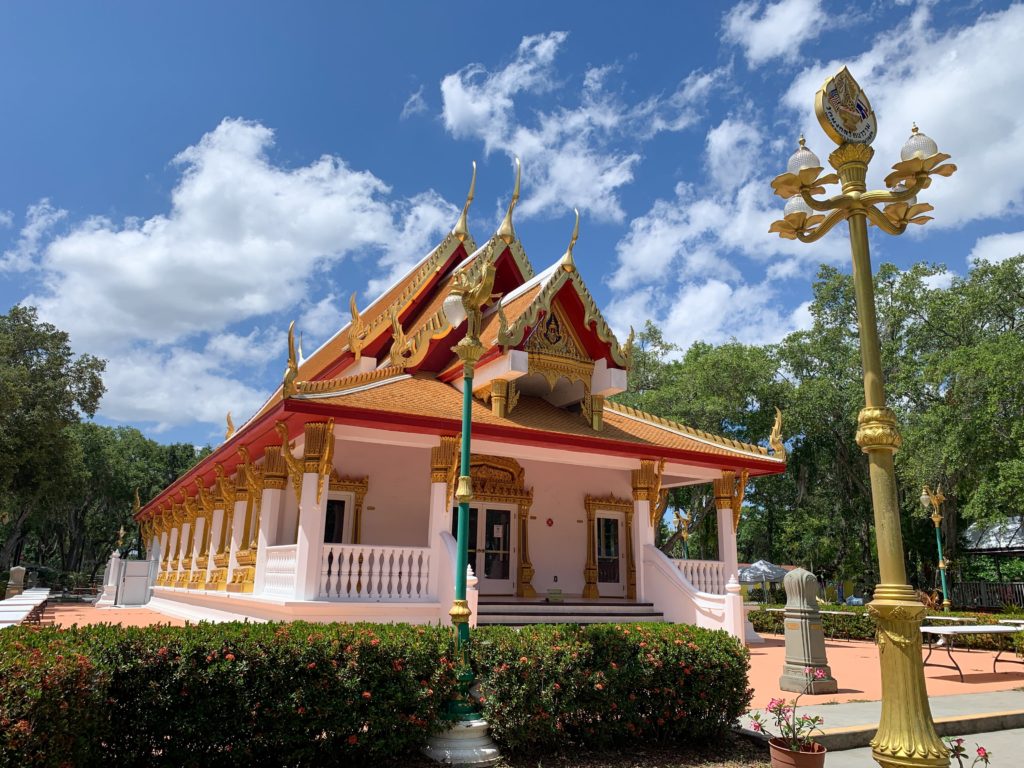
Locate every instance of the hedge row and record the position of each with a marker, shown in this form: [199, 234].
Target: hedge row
[349, 694]
[854, 623]
[547, 687]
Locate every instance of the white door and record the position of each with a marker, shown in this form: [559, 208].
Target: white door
[611, 562]
[492, 549]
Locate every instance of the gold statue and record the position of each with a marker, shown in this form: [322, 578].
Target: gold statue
[120, 537]
[474, 296]
[289, 385]
[230, 431]
[775, 439]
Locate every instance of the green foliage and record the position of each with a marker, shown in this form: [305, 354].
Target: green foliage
[228, 694]
[350, 694]
[546, 688]
[854, 623]
[952, 358]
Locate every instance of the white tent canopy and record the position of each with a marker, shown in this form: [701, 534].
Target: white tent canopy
[761, 572]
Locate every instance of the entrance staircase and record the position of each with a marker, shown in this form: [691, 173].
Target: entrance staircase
[519, 613]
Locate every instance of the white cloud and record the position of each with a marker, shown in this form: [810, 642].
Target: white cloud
[6, 219]
[414, 105]
[996, 248]
[243, 239]
[39, 220]
[574, 156]
[963, 87]
[705, 310]
[769, 31]
[321, 320]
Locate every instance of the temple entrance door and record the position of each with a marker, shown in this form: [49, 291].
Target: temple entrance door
[611, 561]
[492, 548]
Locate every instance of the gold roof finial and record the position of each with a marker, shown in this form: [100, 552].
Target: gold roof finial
[289, 385]
[914, 128]
[356, 331]
[461, 230]
[230, 431]
[567, 261]
[775, 439]
[505, 231]
[136, 504]
[802, 142]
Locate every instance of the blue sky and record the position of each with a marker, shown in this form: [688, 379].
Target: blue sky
[179, 180]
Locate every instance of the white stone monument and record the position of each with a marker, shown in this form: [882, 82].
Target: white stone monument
[110, 577]
[17, 583]
[805, 639]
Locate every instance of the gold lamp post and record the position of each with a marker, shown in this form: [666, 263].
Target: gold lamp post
[934, 501]
[906, 734]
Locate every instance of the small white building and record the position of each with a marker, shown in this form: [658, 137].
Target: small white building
[335, 501]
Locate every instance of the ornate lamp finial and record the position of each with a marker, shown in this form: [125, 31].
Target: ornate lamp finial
[567, 261]
[505, 231]
[461, 230]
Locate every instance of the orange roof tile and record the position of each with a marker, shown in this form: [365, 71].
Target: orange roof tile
[421, 395]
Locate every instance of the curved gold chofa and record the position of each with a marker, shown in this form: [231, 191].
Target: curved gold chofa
[461, 230]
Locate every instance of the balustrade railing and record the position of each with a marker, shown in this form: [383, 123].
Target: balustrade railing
[374, 573]
[706, 575]
[280, 571]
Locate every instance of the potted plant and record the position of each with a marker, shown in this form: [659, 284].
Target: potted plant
[794, 745]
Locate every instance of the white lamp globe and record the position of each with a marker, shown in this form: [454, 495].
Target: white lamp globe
[918, 145]
[453, 310]
[802, 158]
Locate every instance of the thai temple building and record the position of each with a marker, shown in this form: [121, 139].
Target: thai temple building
[334, 502]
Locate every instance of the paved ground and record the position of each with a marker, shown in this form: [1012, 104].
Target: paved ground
[67, 614]
[1005, 747]
[855, 667]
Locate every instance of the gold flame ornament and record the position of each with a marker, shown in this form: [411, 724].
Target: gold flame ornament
[230, 431]
[289, 383]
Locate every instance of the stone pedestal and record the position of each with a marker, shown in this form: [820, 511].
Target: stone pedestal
[805, 639]
[17, 583]
[111, 575]
[467, 742]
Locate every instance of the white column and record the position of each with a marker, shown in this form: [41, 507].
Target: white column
[197, 539]
[439, 521]
[643, 534]
[727, 541]
[172, 566]
[216, 524]
[270, 510]
[183, 554]
[238, 525]
[310, 539]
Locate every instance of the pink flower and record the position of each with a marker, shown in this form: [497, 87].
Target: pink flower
[757, 726]
[819, 673]
[982, 752]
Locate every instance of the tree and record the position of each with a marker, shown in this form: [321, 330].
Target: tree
[46, 389]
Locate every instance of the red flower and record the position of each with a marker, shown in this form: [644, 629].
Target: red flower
[229, 656]
[301, 710]
[599, 686]
[366, 694]
[982, 752]
[353, 740]
[311, 665]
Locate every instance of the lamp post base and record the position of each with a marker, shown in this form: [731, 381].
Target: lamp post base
[906, 736]
[466, 743]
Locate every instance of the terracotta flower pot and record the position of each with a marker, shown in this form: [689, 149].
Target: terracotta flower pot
[783, 757]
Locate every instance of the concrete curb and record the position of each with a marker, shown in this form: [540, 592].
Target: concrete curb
[855, 736]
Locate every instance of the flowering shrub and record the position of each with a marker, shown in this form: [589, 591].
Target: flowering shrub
[959, 752]
[225, 694]
[796, 732]
[547, 687]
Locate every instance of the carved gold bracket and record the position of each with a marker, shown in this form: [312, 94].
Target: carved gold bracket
[295, 467]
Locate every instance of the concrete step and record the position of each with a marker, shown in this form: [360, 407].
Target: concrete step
[575, 607]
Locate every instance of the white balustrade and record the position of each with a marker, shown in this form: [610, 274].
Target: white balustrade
[374, 573]
[706, 575]
[280, 569]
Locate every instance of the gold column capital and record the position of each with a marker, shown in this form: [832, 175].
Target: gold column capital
[442, 458]
[317, 434]
[876, 430]
[647, 480]
[275, 472]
